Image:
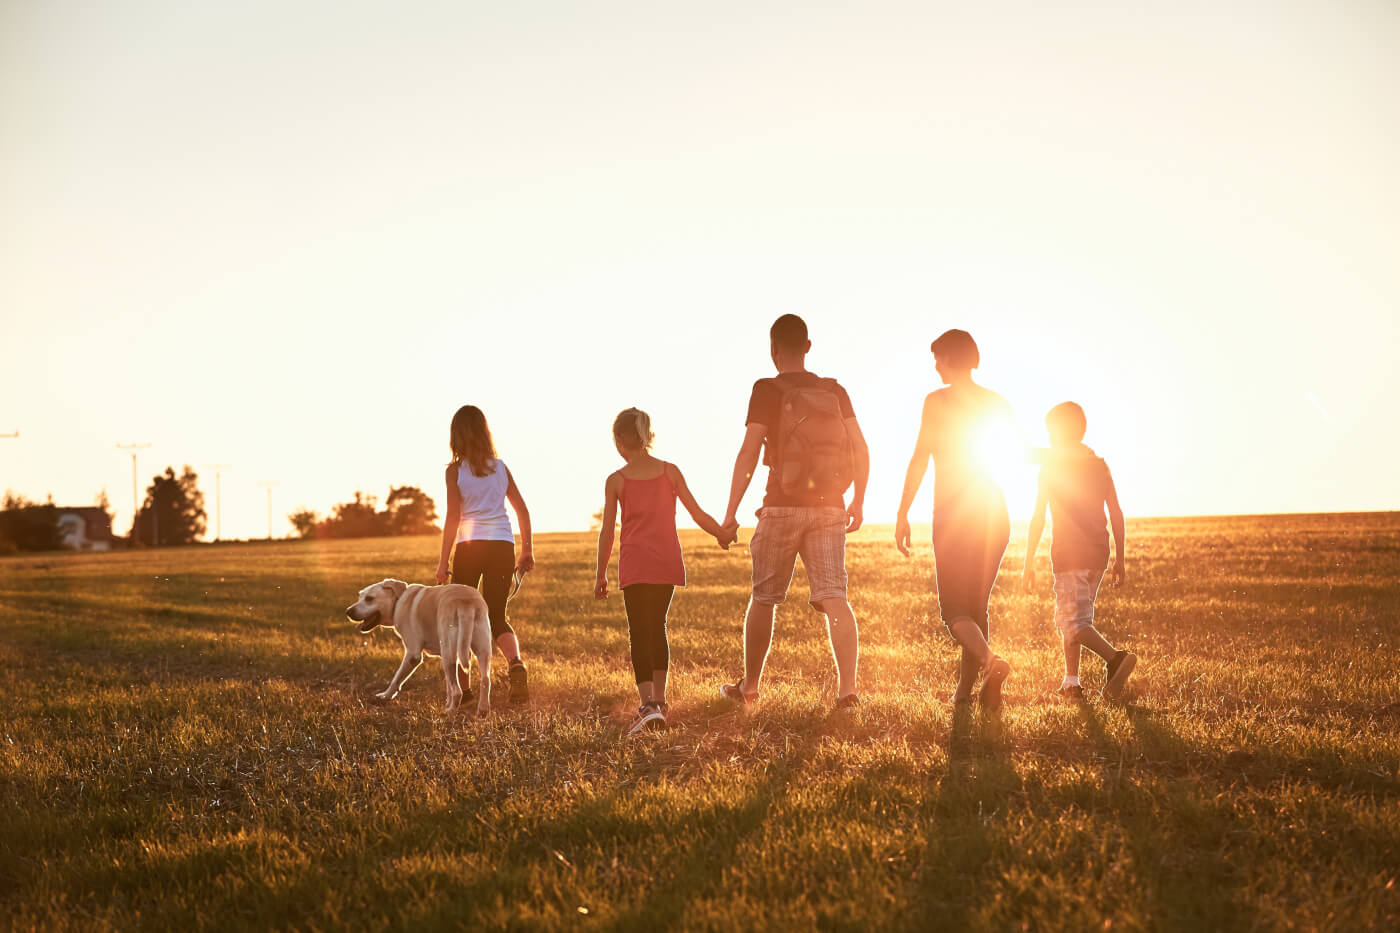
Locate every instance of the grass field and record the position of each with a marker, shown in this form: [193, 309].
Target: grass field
[187, 743]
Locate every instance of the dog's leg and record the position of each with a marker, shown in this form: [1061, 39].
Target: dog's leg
[449, 664]
[406, 668]
[481, 646]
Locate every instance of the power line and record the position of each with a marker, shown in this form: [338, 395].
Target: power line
[218, 469]
[135, 505]
[268, 484]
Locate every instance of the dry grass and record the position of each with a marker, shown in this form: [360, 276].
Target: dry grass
[186, 744]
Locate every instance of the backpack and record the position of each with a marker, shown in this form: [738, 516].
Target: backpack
[811, 451]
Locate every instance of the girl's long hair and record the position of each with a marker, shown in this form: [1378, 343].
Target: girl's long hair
[471, 441]
[632, 429]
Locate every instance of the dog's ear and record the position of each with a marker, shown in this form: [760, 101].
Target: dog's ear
[396, 587]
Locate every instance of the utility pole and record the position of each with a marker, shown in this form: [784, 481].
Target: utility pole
[135, 503]
[268, 484]
[218, 469]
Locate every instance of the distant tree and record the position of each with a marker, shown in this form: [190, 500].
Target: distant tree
[596, 524]
[28, 526]
[409, 511]
[173, 512]
[304, 521]
[102, 502]
[356, 519]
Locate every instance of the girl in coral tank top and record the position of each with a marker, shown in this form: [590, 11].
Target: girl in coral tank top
[650, 566]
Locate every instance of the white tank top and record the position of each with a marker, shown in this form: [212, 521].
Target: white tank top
[484, 515]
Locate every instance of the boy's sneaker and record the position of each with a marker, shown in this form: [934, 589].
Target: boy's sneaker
[519, 682]
[1074, 693]
[735, 692]
[848, 703]
[990, 694]
[1120, 668]
[649, 719]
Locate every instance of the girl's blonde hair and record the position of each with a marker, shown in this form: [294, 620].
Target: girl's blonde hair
[471, 442]
[632, 429]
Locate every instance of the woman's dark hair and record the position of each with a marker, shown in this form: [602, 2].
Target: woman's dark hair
[471, 442]
[958, 348]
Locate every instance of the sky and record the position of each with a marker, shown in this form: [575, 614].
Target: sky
[294, 238]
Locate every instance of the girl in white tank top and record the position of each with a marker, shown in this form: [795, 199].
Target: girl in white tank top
[478, 529]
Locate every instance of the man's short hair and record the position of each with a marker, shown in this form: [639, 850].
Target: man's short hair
[1067, 420]
[789, 332]
[958, 348]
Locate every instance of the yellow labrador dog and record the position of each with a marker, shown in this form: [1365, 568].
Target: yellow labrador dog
[449, 621]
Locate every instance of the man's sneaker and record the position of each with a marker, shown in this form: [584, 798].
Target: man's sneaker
[1120, 668]
[848, 703]
[1073, 693]
[990, 694]
[649, 719]
[735, 692]
[519, 682]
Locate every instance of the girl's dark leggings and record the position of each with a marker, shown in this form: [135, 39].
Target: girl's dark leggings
[647, 605]
[487, 566]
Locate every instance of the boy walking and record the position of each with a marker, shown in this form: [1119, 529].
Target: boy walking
[1076, 485]
[815, 451]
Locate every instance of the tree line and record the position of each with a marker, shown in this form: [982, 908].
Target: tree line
[407, 511]
[173, 513]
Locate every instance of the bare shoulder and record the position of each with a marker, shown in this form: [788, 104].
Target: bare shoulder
[614, 482]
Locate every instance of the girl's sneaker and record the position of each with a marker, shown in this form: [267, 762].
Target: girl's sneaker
[519, 682]
[650, 718]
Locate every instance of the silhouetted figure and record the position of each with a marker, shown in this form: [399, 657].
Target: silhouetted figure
[964, 428]
[650, 565]
[814, 450]
[478, 487]
[1076, 486]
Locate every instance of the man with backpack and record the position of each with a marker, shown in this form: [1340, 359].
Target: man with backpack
[814, 451]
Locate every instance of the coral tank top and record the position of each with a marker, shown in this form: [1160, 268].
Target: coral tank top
[651, 549]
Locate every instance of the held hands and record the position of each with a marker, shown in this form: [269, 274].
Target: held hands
[600, 587]
[855, 515]
[727, 535]
[901, 534]
[1118, 574]
[730, 527]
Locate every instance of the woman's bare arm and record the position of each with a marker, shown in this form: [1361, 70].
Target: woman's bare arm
[526, 562]
[450, 521]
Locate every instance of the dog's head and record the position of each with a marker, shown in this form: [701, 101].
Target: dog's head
[376, 604]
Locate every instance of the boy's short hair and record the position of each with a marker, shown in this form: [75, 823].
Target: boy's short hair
[1066, 420]
[958, 348]
[789, 332]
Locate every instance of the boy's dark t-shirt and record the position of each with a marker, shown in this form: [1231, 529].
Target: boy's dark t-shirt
[765, 408]
[1076, 486]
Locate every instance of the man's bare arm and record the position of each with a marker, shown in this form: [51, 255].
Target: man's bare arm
[744, 465]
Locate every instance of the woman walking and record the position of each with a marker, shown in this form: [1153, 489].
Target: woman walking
[960, 430]
[478, 488]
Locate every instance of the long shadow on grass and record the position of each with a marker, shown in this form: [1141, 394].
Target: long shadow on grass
[980, 781]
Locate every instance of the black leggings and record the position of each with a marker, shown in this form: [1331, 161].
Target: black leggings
[967, 552]
[647, 605]
[487, 566]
